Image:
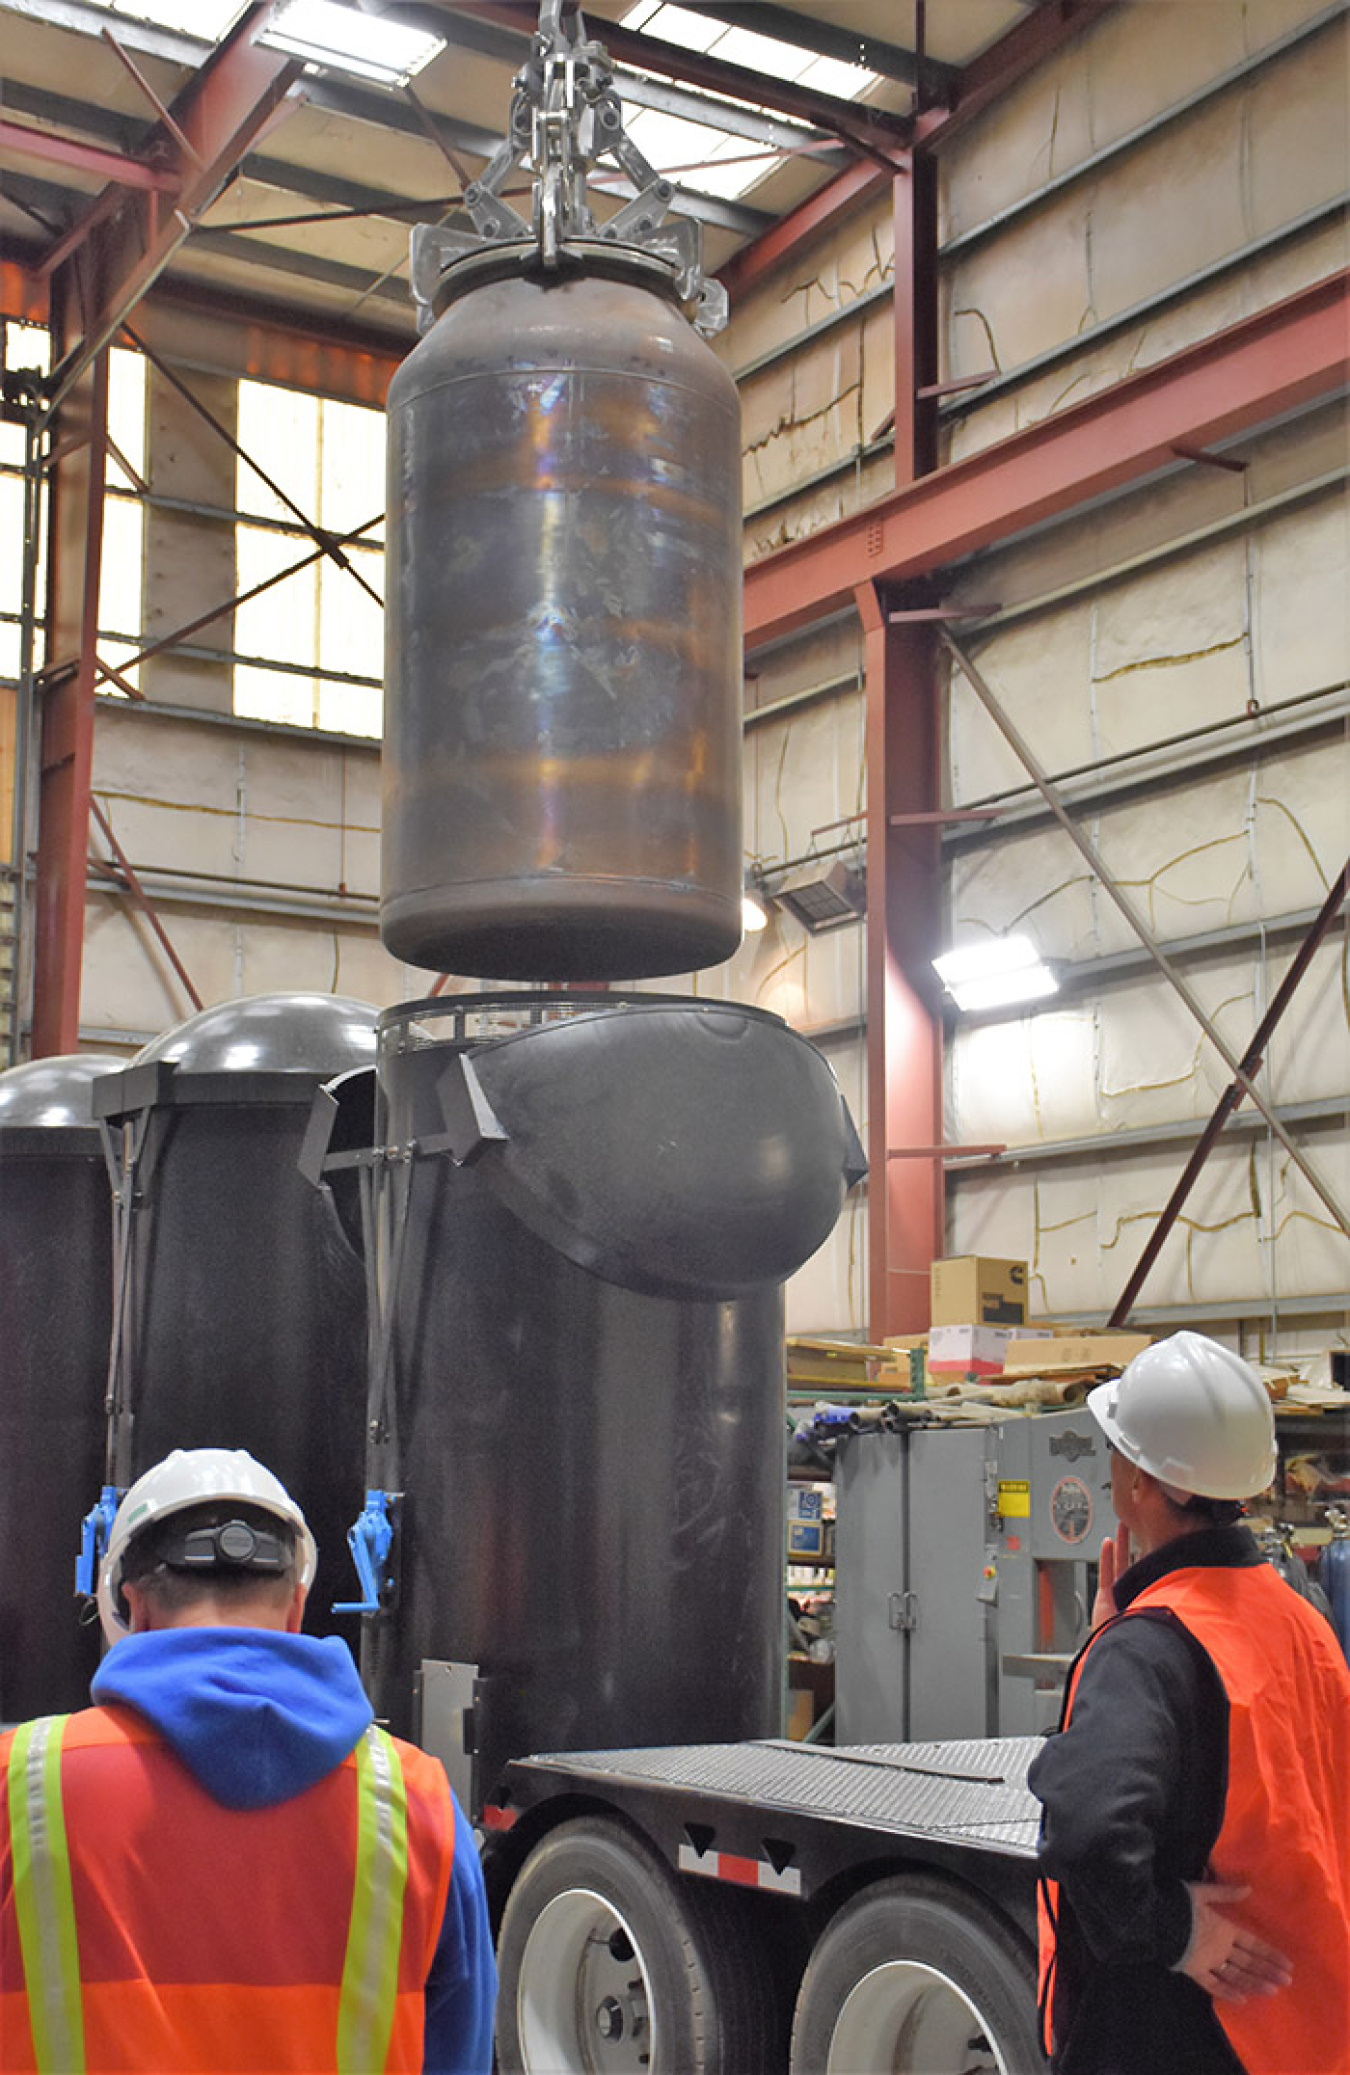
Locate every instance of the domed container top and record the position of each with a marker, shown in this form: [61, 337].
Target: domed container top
[53, 1094]
[245, 1317]
[322, 1034]
[562, 739]
[55, 1324]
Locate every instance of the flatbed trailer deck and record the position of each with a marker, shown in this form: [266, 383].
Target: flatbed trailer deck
[768, 1905]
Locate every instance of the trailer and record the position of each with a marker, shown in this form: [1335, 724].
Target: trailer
[749, 1908]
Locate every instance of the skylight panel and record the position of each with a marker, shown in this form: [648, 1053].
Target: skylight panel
[207, 20]
[671, 141]
[729, 166]
[835, 76]
[756, 53]
[364, 46]
[675, 24]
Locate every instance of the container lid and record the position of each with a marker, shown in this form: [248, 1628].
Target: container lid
[597, 257]
[702, 1150]
[53, 1094]
[270, 1033]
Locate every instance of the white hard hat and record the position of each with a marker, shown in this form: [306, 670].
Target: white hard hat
[1194, 1415]
[193, 1477]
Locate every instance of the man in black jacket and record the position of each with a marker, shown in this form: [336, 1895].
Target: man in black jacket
[1196, 1797]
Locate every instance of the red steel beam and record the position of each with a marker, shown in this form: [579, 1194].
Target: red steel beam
[1290, 354]
[192, 325]
[21, 140]
[195, 326]
[94, 289]
[220, 112]
[916, 322]
[67, 736]
[1029, 44]
[875, 132]
[121, 870]
[1231, 1099]
[23, 293]
[905, 1201]
[819, 213]
[1046, 29]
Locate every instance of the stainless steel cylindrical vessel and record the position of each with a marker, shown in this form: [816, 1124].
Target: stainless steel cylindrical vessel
[562, 743]
[584, 1302]
[55, 1322]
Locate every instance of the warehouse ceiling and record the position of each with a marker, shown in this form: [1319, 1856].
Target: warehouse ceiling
[749, 106]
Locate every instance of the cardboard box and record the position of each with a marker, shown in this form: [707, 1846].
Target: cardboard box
[966, 1350]
[971, 1290]
[1082, 1351]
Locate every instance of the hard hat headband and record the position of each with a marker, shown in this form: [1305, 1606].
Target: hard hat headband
[231, 1546]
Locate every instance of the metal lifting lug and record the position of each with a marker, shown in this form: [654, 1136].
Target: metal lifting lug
[371, 1541]
[95, 1529]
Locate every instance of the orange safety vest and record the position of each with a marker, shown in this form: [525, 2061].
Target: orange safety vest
[1286, 1822]
[143, 1927]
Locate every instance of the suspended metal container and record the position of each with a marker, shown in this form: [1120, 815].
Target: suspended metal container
[562, 745]
[241, 1316]
[55, 1322]
[563, 668]
[584, 1226]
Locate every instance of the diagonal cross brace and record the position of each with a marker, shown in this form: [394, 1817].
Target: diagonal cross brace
[1083, 843]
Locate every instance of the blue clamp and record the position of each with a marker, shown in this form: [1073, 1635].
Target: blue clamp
[370, 1540]
[95, 1529]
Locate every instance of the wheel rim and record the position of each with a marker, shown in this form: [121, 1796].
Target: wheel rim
[583, 2001]
[911, 2020]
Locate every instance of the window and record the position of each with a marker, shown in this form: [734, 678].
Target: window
[119, 617]
[311, 647]
[122, 576]
[25, 346]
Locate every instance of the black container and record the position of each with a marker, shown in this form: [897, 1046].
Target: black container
[55, 1320]
[244, 1322]
[586, 1405]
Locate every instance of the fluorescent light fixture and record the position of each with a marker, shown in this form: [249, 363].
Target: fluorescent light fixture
[365, 45]
[991, 975]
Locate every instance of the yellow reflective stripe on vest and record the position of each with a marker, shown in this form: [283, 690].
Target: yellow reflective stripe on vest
[375, 1937]
[43, 1899]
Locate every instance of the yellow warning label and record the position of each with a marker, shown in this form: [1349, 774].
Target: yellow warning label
[1014, 1498]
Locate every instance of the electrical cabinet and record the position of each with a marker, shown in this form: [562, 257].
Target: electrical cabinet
[965, 1568]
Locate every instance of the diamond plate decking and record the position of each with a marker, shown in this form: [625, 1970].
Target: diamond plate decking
[974, 1791]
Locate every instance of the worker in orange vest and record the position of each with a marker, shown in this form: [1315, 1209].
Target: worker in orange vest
[1195, 1844]
[224, 1865]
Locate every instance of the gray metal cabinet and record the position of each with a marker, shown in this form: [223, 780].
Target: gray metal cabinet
[964, 1574]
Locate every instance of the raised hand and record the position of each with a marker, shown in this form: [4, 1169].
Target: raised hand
[1115, 1558]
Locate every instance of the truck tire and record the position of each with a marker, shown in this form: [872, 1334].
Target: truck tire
[609, 1963]
[917, 1978]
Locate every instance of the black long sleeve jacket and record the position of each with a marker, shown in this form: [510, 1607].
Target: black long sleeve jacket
[1133, 1795]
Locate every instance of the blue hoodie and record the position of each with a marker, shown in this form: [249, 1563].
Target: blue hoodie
[258, 1716]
